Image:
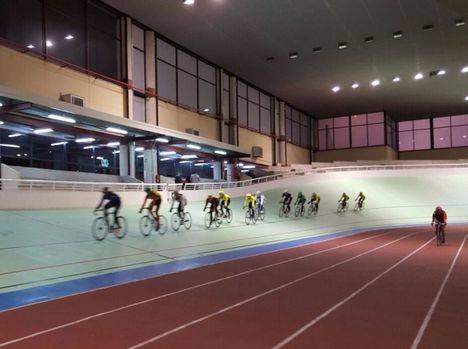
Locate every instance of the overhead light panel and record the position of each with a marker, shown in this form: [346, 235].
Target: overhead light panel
[355, 85]
[428, 27]
[43, 130]
[89, 147]
[466, 98]
[189, 2]
[58, 143]
[184, 162]
[139, 149]
[441, 72]
[342, 45]
[317, 49]
[9, 145]
[193, 146]
[368, 39]
[140, 156]
[1, 122]
[165, 159]
[249, 166]
[464, 70]
[396, 79]
[162, 140]
[398, 34]
[116, 130]
[293, 55]
[336, 89]
[165, 153]
[191, 156]
[199, 164]
[30, 46]
[419, 76]
[1, 104]
[460, 22]
[375, 82]
[220, 152]
[61, 118]
[14, 135]
[113, 144]
[69, 37]
[85, 140]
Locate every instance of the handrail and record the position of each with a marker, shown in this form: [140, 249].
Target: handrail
[41, 184]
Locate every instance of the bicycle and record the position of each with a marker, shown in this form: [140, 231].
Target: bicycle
[342, 208]
[226, 215]
[312, 209]
[213, 218]
[176, 221]
[439, 233]
[148, 224]
[261, 213]
[100, 228]
[284, 210]
[358, 208]
[251, 216]
[299, 211]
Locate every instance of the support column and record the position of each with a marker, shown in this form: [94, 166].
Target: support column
[129, 65]
[150, 73]
[217, 170]
[131, 160]
[230, 172]
[123, 160]
[282, 135]
[233, 127]
[150, 165]
[225, 125]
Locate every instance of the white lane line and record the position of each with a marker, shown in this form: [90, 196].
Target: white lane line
[345, 300]
[425, 323]
[223, 310]
[128, 306]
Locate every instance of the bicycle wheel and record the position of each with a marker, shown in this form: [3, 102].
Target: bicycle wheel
[261, 214]
[122, 231]
[310, 210]
[162, 225]
[247, 217]
[281, 211]
[340, 208]
[218, 220]
[228, 215]
[99, 229]
[175, 222]
[187, 220]
[255, 217]
[146, 225]
[297, 211]
[208, 220]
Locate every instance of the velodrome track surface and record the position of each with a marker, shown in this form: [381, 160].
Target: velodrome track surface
[42, 247]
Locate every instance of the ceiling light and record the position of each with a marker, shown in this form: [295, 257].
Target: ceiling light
[336, 89]
[244, 171]
[1, 122]
[18, 154]
[49, 43]
[466, 98]
[460, 22]
[249, 166]
[162, 140]
[418, 76]
[30, 46]
[240, 164]
[43, 130]
[165, 159]
[85, 140]
[428, 27]
[189, 2]
[116, 130]
[375, 83]
[270, 59]
[14, 135]
[140, 156]
[89, 147]
[293, 55]
[355, 85]
[206, 110]
[61, 118]
[193, 146]
[317, 49]
[398, 34]
[69, 37]
[464, 70]
[396, 79]
[99, 158]
[58, 143]
[1, 104]
[139, 149]
[220, 152]
[165, 153]
[191, 156]
[9, 145]
[441, 72]
[113, 144]
[116, 152]
[368, 39]
[199, 164]
[342, 45]
[184, 162]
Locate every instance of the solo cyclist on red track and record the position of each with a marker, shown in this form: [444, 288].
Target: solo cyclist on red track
[440, 216]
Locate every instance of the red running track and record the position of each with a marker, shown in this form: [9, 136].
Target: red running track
[385, 289]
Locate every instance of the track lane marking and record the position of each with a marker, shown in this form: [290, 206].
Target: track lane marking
[128, 306]
[433, 306]
[245, 301]
[348, 298]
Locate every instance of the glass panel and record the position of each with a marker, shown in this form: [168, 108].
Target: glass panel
[376, 134]
[359, 119]
[288, 130]
[304, 119]
[139, 108]
[296, 133]
[167, 81]
[165, 51]
[138, 69]
[241, 89]
[459, 136]
[324, 123]
[422, 139]
[326, 139]
[265, 121]
[295, 116]
[138, 37]
[342, 121]
[187, 90]
[405, 126]
[406, 141]
[460, 120]
[253, 95]
[421, 124]
[442, 137]
[207, 96]
[226, 82]
[375, 118]
[305, 136]
[265, 101]
[359, 136]
[186, 62]
[254, 117]
[341, 138]
[206, 72]
[226, 103]
[441, 122]
[287, 112]
[242, 111]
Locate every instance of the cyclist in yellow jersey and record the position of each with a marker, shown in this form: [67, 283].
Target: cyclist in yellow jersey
[224, 201]
[343, 200]
[315, 200]
[360, 199]
[250, 201]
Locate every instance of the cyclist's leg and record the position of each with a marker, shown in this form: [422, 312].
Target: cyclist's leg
[116, 213]
[442, 233]
[180, 210]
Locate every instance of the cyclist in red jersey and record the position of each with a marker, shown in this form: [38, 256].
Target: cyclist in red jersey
[440, 216]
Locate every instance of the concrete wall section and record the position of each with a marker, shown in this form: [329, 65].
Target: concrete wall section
[436, 154]
[248, 139]
[297, 155]
[371, 153]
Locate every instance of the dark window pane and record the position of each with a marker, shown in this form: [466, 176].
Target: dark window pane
[341, 136]
[304, 136]
[288, 130]
[226, 84]
[296, 133]
[265, 101]
[165, 51]
[325, 123]
[254, 116]
[207, 97]
[138, 69]
[265, 121]
[186, 62]
[187, 93]
[241, 89]
[359, 136]
[166, 81]
[242, 111]
[104, 54]
[206, 72]
[139, 108]
[226, 109]
[103, 20]
[75, 8]
[326, 139]
[253, 95]
[138, 37]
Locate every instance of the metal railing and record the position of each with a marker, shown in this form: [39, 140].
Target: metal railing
[44, 185]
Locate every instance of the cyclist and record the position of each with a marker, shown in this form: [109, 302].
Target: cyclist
[113, 201]
[286, 200]
[315, 200]
[155, 203]
[300, 200]
[213, 202]
[260, 198]
[440, 216]
[250, 201]
[343, 200]
[360, 199]
[177, 196]
[224, 202]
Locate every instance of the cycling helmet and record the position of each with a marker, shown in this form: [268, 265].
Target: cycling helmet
[344, 194]
[285, 191]
[105, 190]
[314, 194]
[300, 193]
[221, 192]
[438, 208]
[258, 193]
[148, 190]
[210, 196]
[360, 193]
[249, 194]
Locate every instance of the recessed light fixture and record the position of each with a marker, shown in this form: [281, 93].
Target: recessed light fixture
[14, 135]
[61, 118]
[466, 99]
[191, 156]
[336, 89]
[165, 159]
[398, 34]
[49, 43]
[460, 22]
[441, 72]
[368, 39]
[249, 166]
[189, 2]
[116, 130]
[113, 144]
[1, 104]
[162, 140]
[69, 37]
[30, 46]
[418, 76]
[116, 152]
[139, 149]
[342, 45]
[355, 85]
[240, 164]
[293, 55]
[43, 130]
[1, 122]
[375, 82]
[270, 59]
[220, 152]
[9, 145]
[85, 140]
[193, 146]
[166, 153]
[464, 71]
[89, 147]
[99, 158]
[428, 27]
[316, 49]
[396, 79]
[206, 110]
[58, 143]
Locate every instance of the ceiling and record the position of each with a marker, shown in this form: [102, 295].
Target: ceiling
[239, 35]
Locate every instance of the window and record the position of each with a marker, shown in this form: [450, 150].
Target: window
[226, 95]
[297, 127]
[242, 103]
[166, 71]
[450, 131]
[258, 108]
[138, 62]
[206, 88]
[139, 109]
[367, 130]
[334, 133]
[187, 89]
[414, 135]
[253, 95]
